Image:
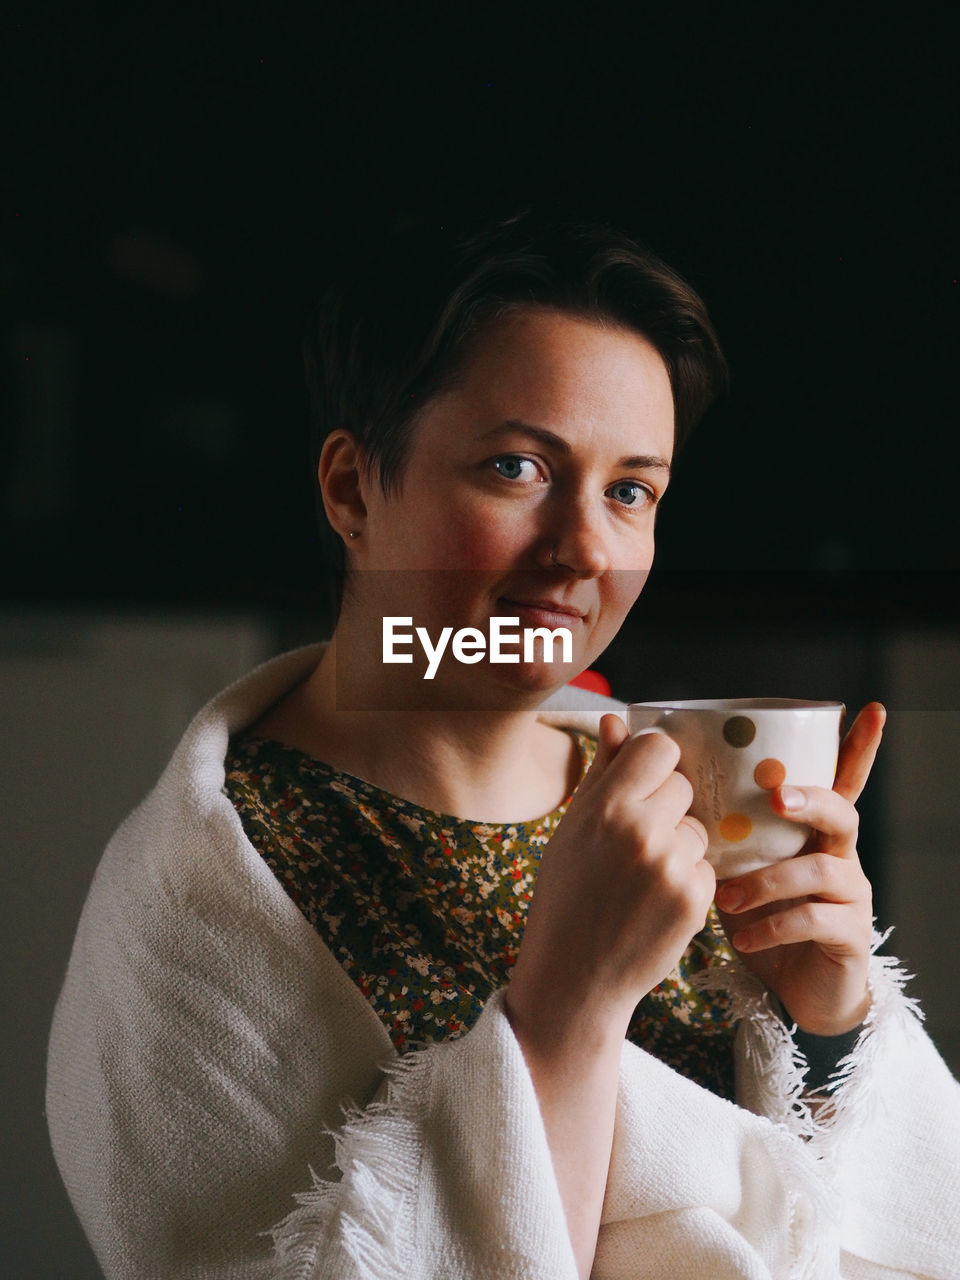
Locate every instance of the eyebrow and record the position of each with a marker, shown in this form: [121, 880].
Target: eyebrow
[553, 441]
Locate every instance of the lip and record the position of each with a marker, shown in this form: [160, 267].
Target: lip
[546, 610]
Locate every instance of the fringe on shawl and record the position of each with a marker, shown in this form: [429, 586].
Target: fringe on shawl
[822, 1119]
[812, 1219]
[378, 1152]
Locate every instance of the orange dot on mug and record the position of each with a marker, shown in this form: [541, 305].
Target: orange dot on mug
[734, 827]
[769, 774]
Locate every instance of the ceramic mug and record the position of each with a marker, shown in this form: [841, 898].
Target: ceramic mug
[734, 752]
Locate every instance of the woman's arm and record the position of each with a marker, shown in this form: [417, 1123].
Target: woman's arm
[623, 886]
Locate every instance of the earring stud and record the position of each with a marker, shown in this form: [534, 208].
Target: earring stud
[354, 533]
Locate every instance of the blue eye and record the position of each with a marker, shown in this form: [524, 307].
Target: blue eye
[510, 466]
[630, 493]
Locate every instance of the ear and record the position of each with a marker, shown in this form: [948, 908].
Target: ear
[342, 475]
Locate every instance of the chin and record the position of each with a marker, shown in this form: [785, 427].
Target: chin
[535, 681]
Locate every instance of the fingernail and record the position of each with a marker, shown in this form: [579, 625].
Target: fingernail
[791, 798]
[741, 941]
[730, 898]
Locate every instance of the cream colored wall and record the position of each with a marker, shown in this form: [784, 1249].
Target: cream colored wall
[91, 708]
[922, 806]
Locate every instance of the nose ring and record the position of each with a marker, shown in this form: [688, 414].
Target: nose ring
[553, 557]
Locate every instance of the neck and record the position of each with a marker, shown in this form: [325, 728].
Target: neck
[494, 764]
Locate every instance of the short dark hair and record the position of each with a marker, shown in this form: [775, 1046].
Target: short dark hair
[395, 325]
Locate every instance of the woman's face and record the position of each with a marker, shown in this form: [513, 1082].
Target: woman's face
[530, 490]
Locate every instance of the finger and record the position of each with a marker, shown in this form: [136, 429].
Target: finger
[671, 799]
[611, 736]
[859, 750]
[825, 811]
[697, 827]
[646, 800]
[646, 761]
[833, 926]
[818, 875]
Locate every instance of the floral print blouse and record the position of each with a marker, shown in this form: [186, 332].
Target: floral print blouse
[426, 911]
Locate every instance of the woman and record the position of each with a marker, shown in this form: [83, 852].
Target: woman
[340, 861]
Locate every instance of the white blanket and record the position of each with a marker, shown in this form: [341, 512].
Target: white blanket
[206, 1044]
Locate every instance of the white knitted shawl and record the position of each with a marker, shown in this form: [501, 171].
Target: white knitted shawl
[209, 1055]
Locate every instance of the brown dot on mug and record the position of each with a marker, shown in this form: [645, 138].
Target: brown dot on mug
[739, 731]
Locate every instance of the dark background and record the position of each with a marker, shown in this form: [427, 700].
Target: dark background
[178, 187]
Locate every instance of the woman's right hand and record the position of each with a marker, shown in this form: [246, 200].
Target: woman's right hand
[623, 887]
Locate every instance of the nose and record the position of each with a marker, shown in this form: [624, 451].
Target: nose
[577, 541]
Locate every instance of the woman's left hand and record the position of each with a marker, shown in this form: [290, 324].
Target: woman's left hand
[804, 926]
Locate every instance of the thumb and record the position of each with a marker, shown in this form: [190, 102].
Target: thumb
[610, 738]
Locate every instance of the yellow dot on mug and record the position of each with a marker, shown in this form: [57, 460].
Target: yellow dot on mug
[735, 827]
[769, 774]
[739, 731]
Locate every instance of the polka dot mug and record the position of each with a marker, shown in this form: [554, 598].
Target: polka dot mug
[734, 752]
